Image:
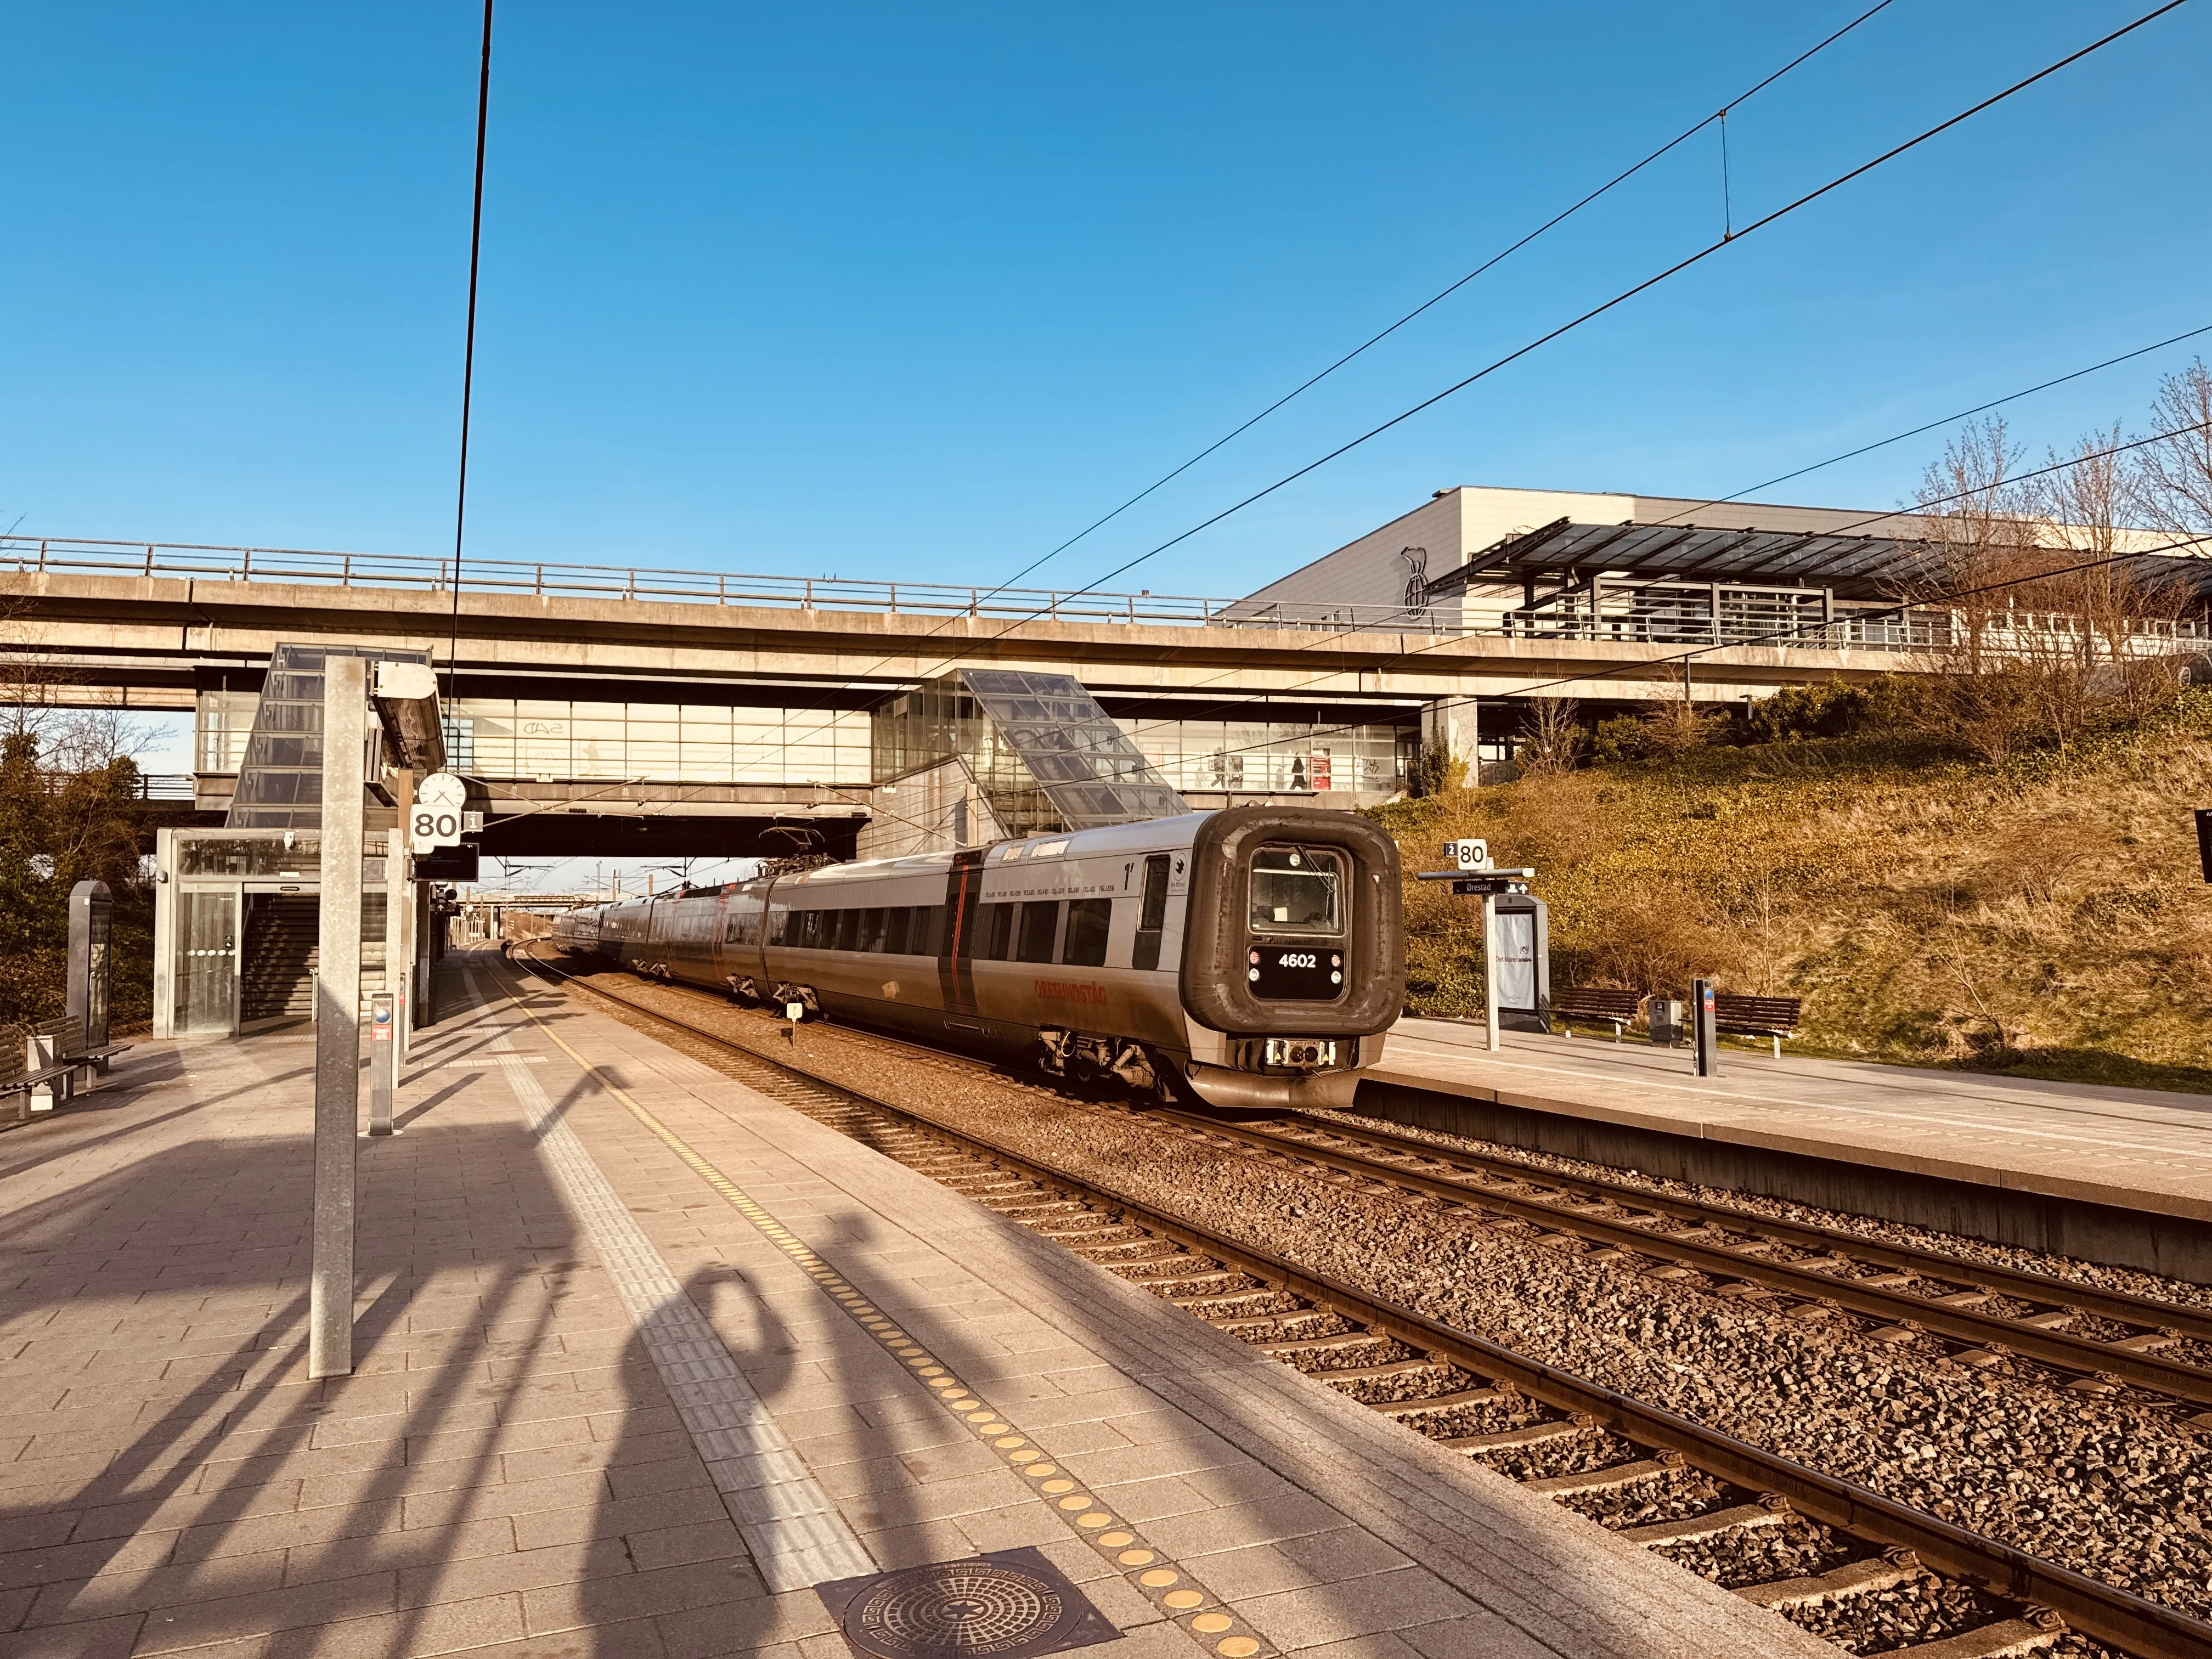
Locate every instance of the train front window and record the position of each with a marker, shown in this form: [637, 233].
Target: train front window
[1298, 889]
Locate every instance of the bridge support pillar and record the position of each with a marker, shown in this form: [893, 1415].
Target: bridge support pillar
[1450, 724]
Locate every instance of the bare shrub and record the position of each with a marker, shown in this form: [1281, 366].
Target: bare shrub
[1552, 821]
[1672, 730]
[2029, 859]
[1654, 938]
[1554, 738]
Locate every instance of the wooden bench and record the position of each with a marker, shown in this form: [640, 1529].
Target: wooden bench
[1764, 1016]
[54, 1063]
[1615, 1008]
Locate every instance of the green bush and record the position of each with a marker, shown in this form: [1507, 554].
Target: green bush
[1799, 712]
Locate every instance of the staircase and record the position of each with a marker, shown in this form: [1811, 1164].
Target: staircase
[276, 970]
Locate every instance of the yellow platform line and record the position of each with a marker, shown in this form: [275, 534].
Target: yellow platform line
[1163, 1582]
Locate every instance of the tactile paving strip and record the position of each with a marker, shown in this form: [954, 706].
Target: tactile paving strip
[1169, 1586]
[797, 1537]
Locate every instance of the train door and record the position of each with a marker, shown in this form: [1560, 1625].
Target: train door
[963, 890]
[1152, 915]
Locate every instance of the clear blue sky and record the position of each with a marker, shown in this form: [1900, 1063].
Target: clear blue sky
[912, 290]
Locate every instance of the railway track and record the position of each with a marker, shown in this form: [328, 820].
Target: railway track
[1476, 1397]
[2102, 1339]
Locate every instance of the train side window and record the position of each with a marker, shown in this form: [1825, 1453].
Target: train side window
[1088, 920]
[1040, 930]
[927, 937]
[872, 929]
[1152, 915]
[847, 930]
[994, 933]
[897, 920]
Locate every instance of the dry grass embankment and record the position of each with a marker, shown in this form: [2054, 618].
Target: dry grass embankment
[2043, 917]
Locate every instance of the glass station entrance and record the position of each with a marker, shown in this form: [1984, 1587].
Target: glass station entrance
[236, 929]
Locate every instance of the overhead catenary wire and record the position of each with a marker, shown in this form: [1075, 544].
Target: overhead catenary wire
[1648, 282]
[1433, 301]
[1605, 306]
[469, 353]
[1445, 293]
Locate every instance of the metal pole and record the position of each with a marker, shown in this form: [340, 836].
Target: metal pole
[1497, 1038]
[399, 915]
[1703, 1032]
[337, 1017]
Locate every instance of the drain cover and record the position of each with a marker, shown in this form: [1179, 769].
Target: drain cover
[1008, 1605]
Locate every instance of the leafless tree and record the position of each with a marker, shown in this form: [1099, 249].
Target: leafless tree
[2036, 648]
[1978, 530]
[2173, 476]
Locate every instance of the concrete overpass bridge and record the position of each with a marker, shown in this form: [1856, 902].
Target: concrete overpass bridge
[614, 710]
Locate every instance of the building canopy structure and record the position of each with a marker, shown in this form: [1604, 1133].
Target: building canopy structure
[1565, 551]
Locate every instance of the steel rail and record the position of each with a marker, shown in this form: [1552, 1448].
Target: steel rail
[2010, 1281]
[2101, 1611]
[2075, 1353]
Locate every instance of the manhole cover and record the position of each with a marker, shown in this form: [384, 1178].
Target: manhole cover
[1008, 1605]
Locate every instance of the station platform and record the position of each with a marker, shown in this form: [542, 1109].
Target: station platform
[645, 1360]
[2115, 1175]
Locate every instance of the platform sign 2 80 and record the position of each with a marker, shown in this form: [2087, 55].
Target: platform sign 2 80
[434, 820]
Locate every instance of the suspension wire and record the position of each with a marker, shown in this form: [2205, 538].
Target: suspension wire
[1728, 206]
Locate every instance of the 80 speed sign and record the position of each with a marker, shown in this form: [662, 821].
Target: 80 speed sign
[435, 818]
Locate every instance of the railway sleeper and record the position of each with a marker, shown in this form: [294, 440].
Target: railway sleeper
[1299, 1317]
[1040, 1206]
[2009, 1636]
[1089, 1236]
[1880, 1572]
[1383, 1372]
[1199, 1304]
[1293, 1348]
[1179, 1281]
[1401, 1410]
[1528, 1434]
[1611, 1478]
[1689, 1528]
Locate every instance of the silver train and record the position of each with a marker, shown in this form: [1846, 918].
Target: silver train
[1251, 957]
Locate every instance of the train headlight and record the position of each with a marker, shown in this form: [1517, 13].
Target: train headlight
[1313, 1052]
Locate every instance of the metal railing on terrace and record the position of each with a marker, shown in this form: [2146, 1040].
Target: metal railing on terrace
[1745, 615]
[174, 787]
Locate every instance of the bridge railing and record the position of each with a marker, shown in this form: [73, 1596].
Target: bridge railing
[546, 580]
[1745, 615]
